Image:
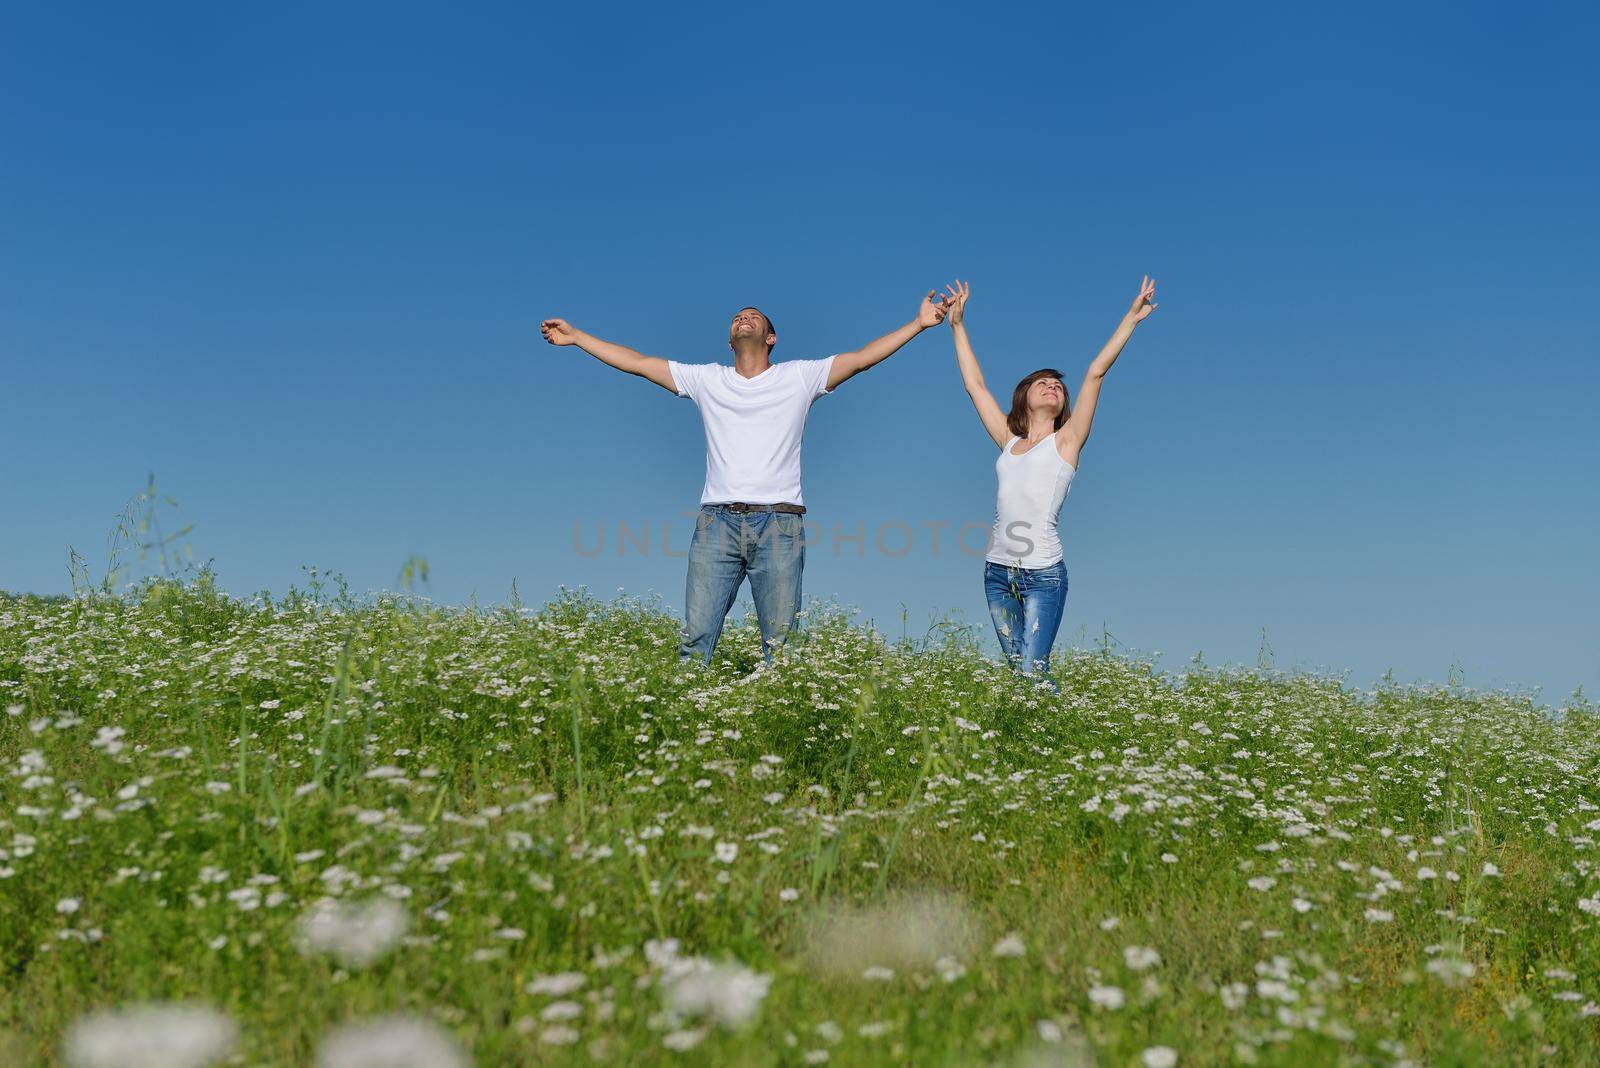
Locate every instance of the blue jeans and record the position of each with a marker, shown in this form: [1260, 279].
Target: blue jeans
[769, 547]
[1025, 604]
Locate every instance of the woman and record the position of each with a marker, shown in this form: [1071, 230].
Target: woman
[1024, 576]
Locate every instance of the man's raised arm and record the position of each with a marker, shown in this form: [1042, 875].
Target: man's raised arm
[847, 364]
[561, 332]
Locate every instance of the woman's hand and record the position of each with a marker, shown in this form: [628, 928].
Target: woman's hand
[956, 300]
[1145, 302]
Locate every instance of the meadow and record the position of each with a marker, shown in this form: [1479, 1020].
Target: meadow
[343, 831]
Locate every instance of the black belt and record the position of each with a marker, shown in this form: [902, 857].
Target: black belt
[741, 507]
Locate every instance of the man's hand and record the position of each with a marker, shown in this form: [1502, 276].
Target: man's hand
[931, 313]
[559, 332]
[955, 299]
[1145, 302]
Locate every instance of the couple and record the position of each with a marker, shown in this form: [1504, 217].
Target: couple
[754, 415]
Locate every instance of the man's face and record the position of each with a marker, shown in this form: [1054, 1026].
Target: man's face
[749, 323]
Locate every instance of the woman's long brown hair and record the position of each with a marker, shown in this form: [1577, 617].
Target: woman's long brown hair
[1017, 417]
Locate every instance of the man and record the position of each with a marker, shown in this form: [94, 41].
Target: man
[754, 414]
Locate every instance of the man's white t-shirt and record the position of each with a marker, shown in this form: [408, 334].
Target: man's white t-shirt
[753, 426]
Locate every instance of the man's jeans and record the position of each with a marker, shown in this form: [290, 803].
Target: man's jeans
[727, 546]
[1025, 604]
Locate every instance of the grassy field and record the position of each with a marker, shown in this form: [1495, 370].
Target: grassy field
[529, 837]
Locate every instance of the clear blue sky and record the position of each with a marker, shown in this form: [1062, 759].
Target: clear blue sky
[291, 259]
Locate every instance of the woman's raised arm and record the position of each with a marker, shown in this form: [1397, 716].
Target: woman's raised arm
[994, 420]
[1082, 417]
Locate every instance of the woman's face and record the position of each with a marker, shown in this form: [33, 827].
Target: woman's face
[1049, 394]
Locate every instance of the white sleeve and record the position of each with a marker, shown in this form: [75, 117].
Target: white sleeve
[815, 375]
[687, 377]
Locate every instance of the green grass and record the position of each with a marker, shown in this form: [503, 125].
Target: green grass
[547, 792]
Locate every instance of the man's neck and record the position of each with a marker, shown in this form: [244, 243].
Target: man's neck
[749, 363]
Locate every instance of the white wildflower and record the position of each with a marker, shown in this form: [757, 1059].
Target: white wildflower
[681, 1041]
[1140, 958]
[1009, 946]
[1107, 997]
[355, 934]
[390, 1042]
[561, 1010]
[727, 994]
[559, 1036]
[557, 985]
[109, 739]
[1276, 990]
[1451, 971]
[150, 1036]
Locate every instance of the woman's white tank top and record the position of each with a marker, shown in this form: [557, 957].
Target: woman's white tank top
[1032, 487]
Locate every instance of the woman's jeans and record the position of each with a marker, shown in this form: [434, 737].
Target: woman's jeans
[1025, 604]
[770, 548]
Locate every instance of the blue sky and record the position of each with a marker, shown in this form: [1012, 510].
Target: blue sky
[292, 261]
